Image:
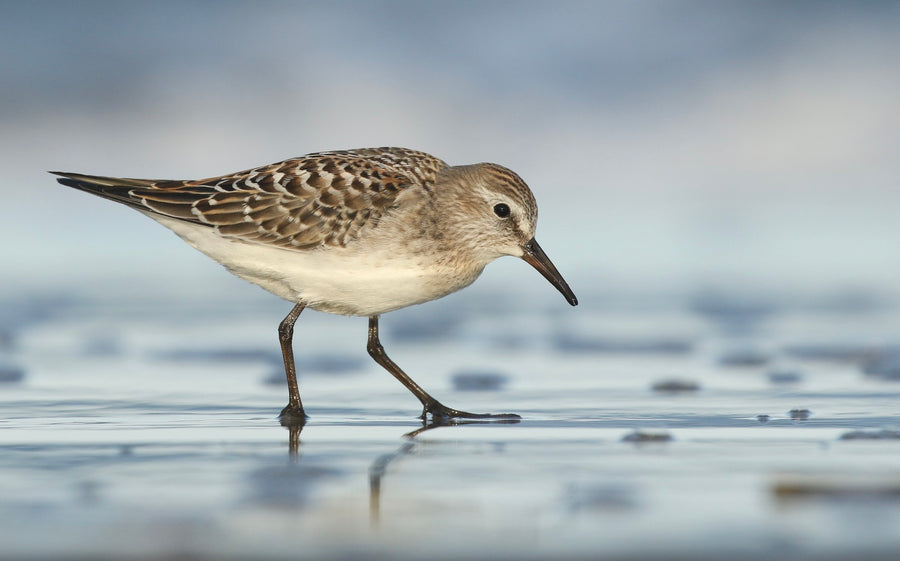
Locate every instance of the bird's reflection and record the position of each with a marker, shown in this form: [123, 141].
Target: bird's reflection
[294, 429]
[378, 469]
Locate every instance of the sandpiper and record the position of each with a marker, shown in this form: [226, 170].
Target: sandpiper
[353, 232]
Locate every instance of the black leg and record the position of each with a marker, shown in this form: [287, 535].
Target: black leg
[293, 414]
[431, 406]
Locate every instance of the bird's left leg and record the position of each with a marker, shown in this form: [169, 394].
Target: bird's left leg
[431, 407]
[293, 413]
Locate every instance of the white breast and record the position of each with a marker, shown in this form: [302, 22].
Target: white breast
[365, 280]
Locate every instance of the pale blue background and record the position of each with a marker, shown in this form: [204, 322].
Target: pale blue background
[669, 143]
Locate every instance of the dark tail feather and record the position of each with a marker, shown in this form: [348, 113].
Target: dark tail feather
[141, 194]
[112, 188]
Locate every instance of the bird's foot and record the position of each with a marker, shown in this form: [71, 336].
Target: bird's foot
[439, 414]
[292, 416]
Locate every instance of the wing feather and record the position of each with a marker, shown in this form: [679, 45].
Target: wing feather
[325, 198]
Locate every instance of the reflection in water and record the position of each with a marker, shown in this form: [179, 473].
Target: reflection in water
[376, 473]
[378, 469]
[294, 424]
[294, 441]
[293, 484]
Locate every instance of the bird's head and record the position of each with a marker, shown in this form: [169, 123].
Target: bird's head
[495, 214]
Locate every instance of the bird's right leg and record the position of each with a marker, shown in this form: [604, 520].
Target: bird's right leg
[293, 414]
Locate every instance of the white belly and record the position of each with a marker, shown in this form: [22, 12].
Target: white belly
[359, 282]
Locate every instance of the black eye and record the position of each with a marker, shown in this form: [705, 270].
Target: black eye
[501, 210]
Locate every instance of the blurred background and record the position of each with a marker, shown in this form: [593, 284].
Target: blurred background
[719, 182]
[670, 145]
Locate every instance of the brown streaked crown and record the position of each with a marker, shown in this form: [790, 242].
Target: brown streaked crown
[507, 182]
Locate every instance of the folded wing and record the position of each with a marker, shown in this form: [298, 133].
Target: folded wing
[324, 198]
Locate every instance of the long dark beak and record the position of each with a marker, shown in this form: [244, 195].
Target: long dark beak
[536, 257]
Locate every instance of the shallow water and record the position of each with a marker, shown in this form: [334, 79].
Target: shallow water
[668, 431]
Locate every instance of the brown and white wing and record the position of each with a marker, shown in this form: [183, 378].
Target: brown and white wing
[324, 198]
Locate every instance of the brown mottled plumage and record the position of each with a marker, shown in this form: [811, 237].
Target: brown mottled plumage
[355, 232]
[323, 198]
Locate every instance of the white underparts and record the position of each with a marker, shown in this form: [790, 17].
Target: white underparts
[363, 281]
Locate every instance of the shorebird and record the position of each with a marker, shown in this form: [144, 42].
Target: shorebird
[352, 232]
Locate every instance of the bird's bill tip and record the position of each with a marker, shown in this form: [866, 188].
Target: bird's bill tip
[535, 256]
